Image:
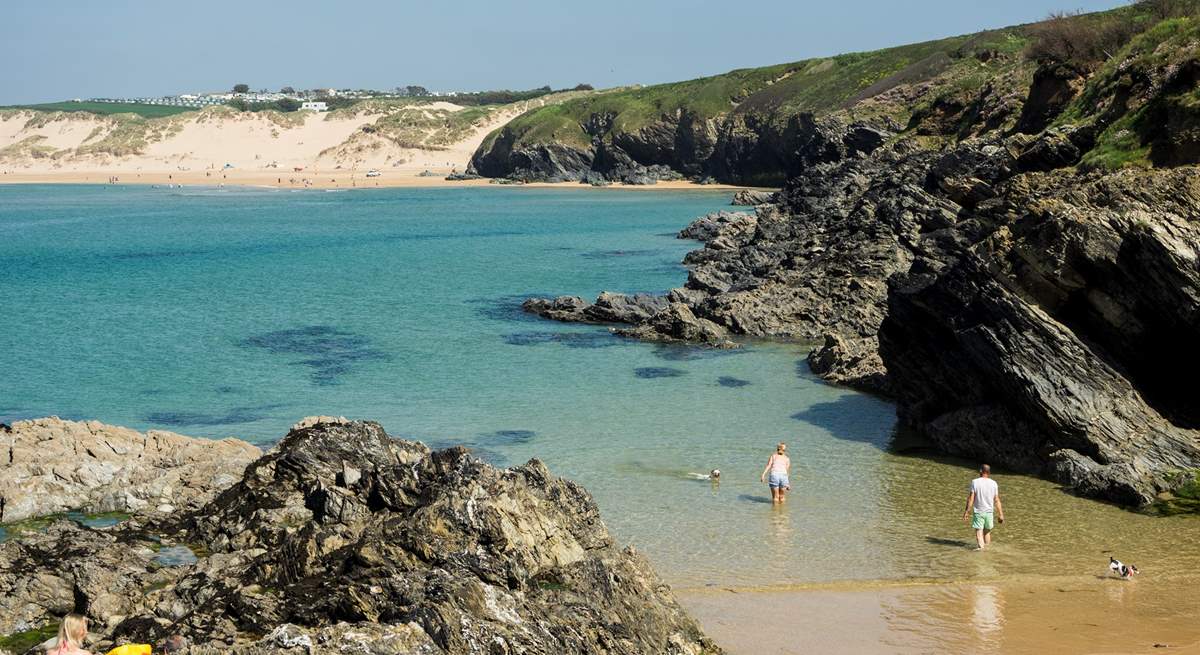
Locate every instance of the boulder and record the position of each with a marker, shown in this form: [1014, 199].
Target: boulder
[677, 323]
[854, 362]
[55, 466]
[621, 308]
[752, 197]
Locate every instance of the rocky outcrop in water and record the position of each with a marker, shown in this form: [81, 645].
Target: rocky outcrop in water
[1019, 313]
[652, 318]
[608, 308]
[53, 466]
[342, 539]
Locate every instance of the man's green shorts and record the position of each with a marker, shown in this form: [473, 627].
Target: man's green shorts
[982, 521]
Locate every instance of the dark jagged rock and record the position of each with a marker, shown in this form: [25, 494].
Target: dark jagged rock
[344, 538]
[851, 362]
[738, 149]
[1048, 347]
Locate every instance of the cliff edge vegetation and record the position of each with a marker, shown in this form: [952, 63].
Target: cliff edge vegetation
[762, 126]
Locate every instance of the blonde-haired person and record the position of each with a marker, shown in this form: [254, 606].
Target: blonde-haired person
[776, 474]
[71, 634]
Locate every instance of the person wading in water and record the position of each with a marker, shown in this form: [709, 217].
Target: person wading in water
[983, 504]
[776, 474]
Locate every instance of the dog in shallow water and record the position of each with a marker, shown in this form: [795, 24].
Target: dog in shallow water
[1125, 571]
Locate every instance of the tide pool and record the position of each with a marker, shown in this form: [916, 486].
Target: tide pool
[218, 312]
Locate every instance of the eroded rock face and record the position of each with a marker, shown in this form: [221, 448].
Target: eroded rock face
[52, 465]
[343, 538]
[1055, 345]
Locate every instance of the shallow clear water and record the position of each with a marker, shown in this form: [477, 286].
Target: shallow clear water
[237, 312]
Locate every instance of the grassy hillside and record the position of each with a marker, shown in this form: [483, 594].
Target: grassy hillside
[107, 108]
[817, 86]
[747, 125]
[1144, 101]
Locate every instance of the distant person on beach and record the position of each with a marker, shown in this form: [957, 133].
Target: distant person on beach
[776, 474]
[71, 633]
[983, 506]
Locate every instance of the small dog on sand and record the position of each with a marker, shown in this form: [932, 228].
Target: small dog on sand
[1126, 571]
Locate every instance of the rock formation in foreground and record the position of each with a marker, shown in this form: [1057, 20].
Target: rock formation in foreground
[343, 540]
[53, 466]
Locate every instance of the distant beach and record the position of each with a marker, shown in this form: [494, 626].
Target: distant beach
[318, 179]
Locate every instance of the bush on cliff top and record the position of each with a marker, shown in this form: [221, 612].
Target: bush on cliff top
[1144, 100]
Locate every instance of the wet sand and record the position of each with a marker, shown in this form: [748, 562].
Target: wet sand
[1064, 616]
[328, 179]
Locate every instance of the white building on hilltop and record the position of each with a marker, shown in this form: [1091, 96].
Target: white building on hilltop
[314, 106]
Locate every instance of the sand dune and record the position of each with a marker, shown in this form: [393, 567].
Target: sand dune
[399, 138]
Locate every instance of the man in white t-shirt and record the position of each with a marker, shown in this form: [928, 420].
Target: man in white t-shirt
[982, 505]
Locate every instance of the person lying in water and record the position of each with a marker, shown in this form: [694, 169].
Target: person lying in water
[776, 474]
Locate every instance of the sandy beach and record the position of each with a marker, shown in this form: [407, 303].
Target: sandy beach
[314, 179]
[1096, 615]
[414, 146]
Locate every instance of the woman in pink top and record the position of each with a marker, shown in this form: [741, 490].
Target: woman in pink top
[71, 634]
[776, 474]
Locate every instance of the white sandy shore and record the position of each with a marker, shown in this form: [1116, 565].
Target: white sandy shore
[221, 147]
[205, 141]
[317, 179]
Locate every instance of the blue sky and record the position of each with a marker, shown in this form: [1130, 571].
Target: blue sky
[53, 50]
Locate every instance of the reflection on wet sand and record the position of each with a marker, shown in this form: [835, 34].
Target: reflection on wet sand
[1038, 615]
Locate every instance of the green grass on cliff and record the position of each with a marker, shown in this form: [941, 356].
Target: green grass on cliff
[635, 108]
[817, 86]
[939, 87]
[1145, 99]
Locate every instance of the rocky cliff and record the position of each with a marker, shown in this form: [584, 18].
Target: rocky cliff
[755, 126]
[1021, 273]
[342, 539]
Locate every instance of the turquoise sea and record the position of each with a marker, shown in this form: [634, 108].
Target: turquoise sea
[216, 312]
